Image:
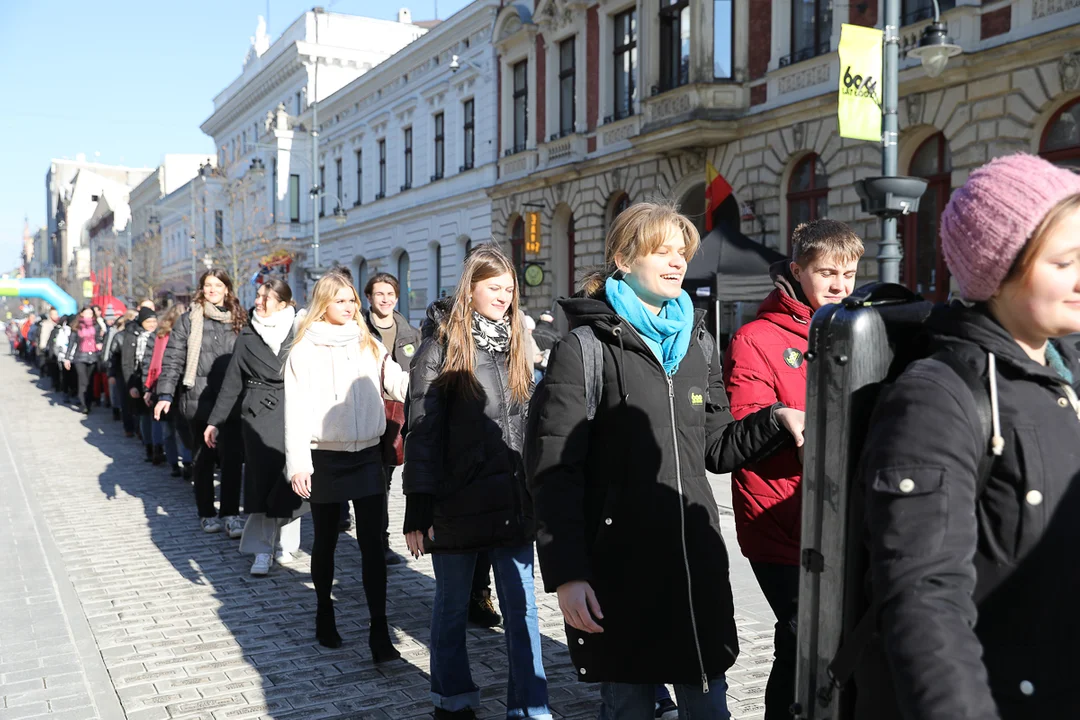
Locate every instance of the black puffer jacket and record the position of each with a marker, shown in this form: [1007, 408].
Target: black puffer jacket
[978, 594]
[624, 503]
[463, 469]
[196, 402]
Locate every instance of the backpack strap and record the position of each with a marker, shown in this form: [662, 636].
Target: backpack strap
[708, 345]
[592, 359]
[847, 657]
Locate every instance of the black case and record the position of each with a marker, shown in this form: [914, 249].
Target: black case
[854, 347]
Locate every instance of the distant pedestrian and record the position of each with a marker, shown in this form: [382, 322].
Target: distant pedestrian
[164, 429]
[82, 354]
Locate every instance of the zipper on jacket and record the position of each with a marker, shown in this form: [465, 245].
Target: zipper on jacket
[682, 533]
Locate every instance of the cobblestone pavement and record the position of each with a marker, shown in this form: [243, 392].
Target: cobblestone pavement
[113, 605]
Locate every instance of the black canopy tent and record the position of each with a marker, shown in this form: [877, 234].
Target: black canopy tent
[729, 267]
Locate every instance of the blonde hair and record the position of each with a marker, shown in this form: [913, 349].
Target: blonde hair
[459, 367]
[326, 290]
[169, 318]
[640, 230]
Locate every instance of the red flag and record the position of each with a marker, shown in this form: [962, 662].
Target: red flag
[717, 191]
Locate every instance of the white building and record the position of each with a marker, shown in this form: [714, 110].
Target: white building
[245, 213]
[72, 190]
[408, 151]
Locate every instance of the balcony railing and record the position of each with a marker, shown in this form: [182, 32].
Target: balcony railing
[619, 115]
[807, 53]
[514, 150]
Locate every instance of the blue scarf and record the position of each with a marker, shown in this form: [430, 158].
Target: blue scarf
[667, 334]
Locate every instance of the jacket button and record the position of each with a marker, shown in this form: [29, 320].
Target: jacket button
[1034, 497]
[907, 485]
[507, 522]
[581, 641]
[1027, 688]
[582, 671]
[607, 521]
[1063, 402]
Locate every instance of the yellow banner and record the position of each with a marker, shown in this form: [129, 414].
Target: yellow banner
[88, 289]
[859, 105]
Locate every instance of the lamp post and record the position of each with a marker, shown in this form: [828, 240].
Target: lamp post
[890, 196]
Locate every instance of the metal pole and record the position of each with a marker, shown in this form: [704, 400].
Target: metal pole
[889, 249]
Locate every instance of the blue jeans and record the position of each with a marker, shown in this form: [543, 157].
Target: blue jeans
[623, 701]
[452, 687]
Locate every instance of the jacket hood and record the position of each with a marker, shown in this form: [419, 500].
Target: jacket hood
[437, 313]
[780, 272]
[786, 306]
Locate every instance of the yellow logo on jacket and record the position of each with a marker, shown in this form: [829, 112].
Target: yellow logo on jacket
[697, 398]
[793, 358]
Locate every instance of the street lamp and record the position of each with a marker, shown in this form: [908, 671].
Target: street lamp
[340, 216]
[257, 169]
[935, 47]
[207, 261]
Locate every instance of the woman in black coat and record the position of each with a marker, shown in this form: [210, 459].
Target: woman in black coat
[254, 379]
[83, 351]
[136, 351]
[628, 530]
[974, 534]
[465, 482]
[192, 373]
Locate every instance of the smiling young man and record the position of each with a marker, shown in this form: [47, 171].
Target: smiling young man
[765, 365]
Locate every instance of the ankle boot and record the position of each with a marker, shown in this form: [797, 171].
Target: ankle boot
[382, 647]
[326, 628]
[116, 414]
[149, 453]
[159, 455]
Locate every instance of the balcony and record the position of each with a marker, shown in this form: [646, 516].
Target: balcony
[808, 53]
[618, 131]
[563, 149]
[619, 115]
[701, 113]
[514, 150]
[518, 164]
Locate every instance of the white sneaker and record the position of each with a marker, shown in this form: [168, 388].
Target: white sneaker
[234, 526]
[263, 563]
[282, 556]
[211, 525]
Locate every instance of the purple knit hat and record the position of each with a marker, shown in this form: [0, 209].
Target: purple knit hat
[989, 220]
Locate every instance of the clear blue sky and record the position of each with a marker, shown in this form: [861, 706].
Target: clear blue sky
[125, 82]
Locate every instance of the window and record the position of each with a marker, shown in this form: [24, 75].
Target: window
[913, 11]
[567, 87]
[521, 106]
[470, 135]
[408, 159]
[622, 201]
[340, 183]
[625, 80]
[517, 244]
[294, 198]
[571, 251]
[723, 24]
[404, 282]
[811, 28]
[273, 190]
[219, 228]
[359, 177]
[299, 109]
[436, 274]
[808, 192]
[382, 170]
[1061, 139]
[440, 148]
[321, 188]
[923, 269]
[675, 43]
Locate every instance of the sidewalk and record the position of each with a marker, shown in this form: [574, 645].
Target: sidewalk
[115, 606]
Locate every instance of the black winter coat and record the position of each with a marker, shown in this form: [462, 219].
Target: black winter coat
[133, 367]
[978, 594]
[254, 381]
[464, 455]
[195, 403]
[624, 503]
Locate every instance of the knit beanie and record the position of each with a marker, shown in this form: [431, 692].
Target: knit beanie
[988, 221]
[145, 314]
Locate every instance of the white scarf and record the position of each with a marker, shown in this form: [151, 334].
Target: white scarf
[324, 333]
[274, 329]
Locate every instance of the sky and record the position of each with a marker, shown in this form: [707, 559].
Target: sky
[125, 82]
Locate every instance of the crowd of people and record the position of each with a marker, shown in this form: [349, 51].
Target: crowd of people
[592, 448]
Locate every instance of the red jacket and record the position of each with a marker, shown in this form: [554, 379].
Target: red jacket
[763, 365]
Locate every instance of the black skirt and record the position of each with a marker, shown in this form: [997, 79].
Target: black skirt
[342, 476]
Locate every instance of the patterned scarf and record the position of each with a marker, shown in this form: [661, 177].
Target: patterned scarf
[489, 335]
[140, 346]
[194, 342]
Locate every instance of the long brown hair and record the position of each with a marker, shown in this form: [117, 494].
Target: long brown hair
[232, 303]
[280, 288]
[326, 289]
[169, 318]
[459, 368]
[638, 231]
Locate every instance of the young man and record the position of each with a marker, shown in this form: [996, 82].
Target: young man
[765, 364]
[402, 340]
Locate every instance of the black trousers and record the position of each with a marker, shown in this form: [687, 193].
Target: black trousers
[780, 585]
[230, 451]
[84, 372]
[325, 518]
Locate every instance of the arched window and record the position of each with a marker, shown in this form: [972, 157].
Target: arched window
[808, 192]
[404, 282]
[1061, 139]
[620, 202]
[517, 243]
[923, 269]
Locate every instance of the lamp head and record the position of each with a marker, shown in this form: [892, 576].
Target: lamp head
[454, 64]
[934, 49]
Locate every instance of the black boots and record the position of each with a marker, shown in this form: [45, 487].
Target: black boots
[482, 610]
[149, 453]
[326, 627]
[116, 414]
[159, 455]
[382, 647]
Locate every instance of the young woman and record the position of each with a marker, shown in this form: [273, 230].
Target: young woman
[135, 356]
[254, 385]
[83, 351]
[973, 538]
[164, 430]
[192, 371]
[465, 481]
[336, 378]
[627, 526]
